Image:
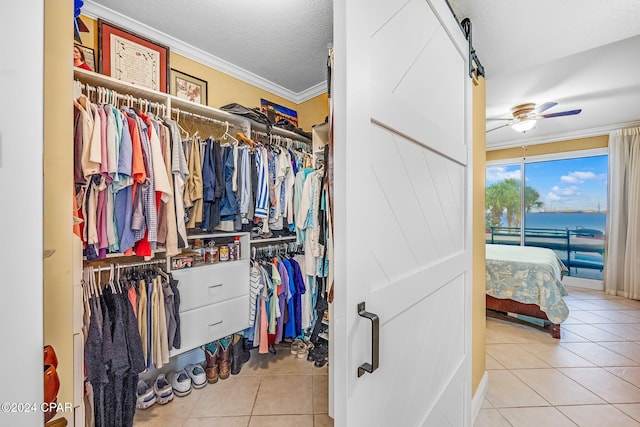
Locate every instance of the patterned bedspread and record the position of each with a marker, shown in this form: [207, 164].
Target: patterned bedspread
[529, 275]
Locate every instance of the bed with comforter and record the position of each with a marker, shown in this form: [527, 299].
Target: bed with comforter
[526, 280]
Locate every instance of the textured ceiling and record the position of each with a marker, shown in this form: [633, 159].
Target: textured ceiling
[284, 42]
[579, 53]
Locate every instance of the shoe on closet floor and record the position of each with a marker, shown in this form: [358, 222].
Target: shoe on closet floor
[146, 396]
[224, 363]
[239, 353]
[50, 357]
[212, 354]
[163, 390]
[198, 376]
[180, 382]
[295, 346]
[300, 348]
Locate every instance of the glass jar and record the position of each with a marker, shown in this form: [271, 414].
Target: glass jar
[211, 255]
[233, 252]
[198, 256]
[224, 253]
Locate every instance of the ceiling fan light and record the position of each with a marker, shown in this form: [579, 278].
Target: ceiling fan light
[524, 126]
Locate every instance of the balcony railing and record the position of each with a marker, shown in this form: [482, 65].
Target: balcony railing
[576, 248]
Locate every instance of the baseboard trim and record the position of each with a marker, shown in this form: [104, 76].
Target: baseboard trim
[577, 282]
[478, 397]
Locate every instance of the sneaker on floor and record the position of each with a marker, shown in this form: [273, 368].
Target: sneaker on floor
[198, 376]
[180, 382]
[163, 390]
[146, 397]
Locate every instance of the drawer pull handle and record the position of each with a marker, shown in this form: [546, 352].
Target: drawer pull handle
[217, 323]
[215, 286]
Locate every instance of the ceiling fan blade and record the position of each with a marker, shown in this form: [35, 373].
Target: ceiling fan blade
[544, 107]
[498, 118]
[561, 113]
[499, 127]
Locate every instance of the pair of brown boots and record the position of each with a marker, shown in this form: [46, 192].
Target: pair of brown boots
[51, 382]
[218, 360]
[226, 356]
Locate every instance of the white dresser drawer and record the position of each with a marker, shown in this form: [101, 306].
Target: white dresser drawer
[211, 284]
[206, 324]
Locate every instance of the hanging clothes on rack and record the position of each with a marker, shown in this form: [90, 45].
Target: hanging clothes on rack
[113, 351]
[130, 324]
[122, 185]
[277, 289]
[180, 171]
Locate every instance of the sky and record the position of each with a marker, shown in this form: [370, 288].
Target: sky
[574, 184]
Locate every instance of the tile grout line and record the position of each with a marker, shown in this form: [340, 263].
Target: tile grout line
[255, 399]
[621, 352]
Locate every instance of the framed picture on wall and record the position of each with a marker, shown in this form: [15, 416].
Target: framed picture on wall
[89, 56]
[277, 112]
[132, 58]
[188, 87]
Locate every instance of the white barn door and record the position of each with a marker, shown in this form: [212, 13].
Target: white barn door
[402, 229]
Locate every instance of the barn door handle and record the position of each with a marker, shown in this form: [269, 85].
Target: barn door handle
[375, 341]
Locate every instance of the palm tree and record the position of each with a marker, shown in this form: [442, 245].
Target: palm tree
[505, 195]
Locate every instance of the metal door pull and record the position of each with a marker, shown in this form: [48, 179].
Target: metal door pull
[375, 341]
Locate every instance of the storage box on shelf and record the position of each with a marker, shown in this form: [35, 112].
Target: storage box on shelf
[214, 297]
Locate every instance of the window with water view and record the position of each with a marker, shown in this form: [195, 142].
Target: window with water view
[561, 206]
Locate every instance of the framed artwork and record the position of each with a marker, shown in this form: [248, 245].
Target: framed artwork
[131, 58]
[277, 112]
[188, 87]
[89, 56]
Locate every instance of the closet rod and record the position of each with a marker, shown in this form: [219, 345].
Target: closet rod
[129, 265]
[298, 143]
[205, 118]
[110, 94]
[283, 133]
[275, 249]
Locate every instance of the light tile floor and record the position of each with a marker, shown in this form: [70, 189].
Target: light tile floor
[590, 377]
[271, 390]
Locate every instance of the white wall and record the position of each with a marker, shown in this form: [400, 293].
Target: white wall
[21, 149]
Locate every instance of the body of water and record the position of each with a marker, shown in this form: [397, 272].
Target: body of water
[564, 220]
[570, 220]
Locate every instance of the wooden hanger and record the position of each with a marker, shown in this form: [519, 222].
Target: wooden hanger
[242, 138]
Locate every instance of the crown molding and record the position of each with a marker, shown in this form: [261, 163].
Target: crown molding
[546, 139]
[95, 11]
[312, 92]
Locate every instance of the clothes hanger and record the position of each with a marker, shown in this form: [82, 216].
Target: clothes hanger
[111, 277]
[117, 279]
[242, 138]
[227, 134]
[85, 282]
[98, 285]
[161, 272]
[178, 123]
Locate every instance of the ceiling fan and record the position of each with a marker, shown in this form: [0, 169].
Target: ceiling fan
[526, 115]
